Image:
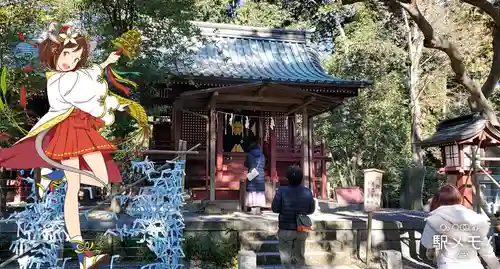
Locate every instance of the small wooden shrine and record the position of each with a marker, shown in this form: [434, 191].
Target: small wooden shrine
[459, 138]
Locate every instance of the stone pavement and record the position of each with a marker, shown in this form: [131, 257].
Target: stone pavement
[407, 264]
[131, 265]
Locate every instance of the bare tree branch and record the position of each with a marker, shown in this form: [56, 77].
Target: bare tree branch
[434, 41]
[478, 100]
[487, 7]
[494, 75]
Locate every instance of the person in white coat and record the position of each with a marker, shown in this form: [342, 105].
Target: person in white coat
[456, 237]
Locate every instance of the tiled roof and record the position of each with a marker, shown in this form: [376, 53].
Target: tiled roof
[258, 54]
[460, 129]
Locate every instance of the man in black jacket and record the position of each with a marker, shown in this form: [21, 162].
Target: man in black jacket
[289, 202]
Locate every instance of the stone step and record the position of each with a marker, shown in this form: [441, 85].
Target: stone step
[311, 245]
[336, 266]
[312, 258]
[338, 235]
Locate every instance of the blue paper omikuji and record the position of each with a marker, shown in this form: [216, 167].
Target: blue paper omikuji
[158, 214]
[158, 221]
[40, 226]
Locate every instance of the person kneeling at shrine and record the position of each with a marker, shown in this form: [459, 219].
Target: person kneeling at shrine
[293, 203]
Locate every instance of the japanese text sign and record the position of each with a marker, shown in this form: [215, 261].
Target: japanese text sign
[372, 189]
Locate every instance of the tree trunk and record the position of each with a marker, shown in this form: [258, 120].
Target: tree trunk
[416, 173]
[478, 100]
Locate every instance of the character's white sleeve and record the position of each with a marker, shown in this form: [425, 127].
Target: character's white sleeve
[95, 71]
[81, 91]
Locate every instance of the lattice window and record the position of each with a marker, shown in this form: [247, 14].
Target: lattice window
[282, 130]
[452, 156]
[193, 128]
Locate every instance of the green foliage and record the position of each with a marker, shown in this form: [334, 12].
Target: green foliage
[214, 11]
[207, 248]
[261, 14]
[166, 32]
[3, 82]
[373, 129]
[167, 35]
[10, 116]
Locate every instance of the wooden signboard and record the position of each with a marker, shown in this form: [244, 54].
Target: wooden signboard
[373, 190]
[372, 202]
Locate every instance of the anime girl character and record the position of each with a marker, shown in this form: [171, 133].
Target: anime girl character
[67, 137]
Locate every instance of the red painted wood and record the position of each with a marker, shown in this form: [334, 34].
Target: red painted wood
[261, 127]
[229, 166]
[464, 185]
[291, 134]
[201, 194]
[324, 184]
[220, 150]
[313, 179]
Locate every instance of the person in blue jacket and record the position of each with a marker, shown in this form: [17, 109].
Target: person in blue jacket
[289, 202]
[256, 197]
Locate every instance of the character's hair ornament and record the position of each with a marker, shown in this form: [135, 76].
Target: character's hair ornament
[66, 34]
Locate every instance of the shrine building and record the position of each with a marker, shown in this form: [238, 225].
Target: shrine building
[250, 84]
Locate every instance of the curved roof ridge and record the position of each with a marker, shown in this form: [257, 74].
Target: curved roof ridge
[233, 30]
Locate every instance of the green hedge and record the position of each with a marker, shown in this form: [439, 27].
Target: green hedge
[202, 247]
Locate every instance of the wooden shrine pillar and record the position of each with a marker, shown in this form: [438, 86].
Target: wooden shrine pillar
[464, 184]
[324, 183]
[305, 147]
[177, 126]
[272, 161]
[312, 167]
[219, 172]
[213, 146]
[207, 155]
[273, 172]
[262, 125]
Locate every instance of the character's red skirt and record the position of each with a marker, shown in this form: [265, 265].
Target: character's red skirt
[75, 136]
